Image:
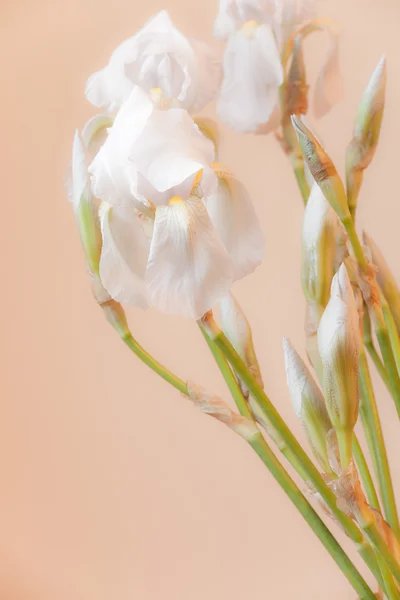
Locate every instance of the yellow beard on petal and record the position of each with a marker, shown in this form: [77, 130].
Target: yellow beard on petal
[221, 170]
[196, 182]
[176, 200]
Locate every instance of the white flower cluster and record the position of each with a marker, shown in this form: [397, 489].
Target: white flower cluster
[177, 228]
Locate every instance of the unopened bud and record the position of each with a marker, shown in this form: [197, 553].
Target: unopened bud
[217, 408]
[313, 317]
[296, 85]
[84, 207]
[385, 278]
[339, 348]
[308, 403]
[320, 230]
[94, 132]
[362, 147]
[238, 331]
[322, 169]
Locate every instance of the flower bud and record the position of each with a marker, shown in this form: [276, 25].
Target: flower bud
[309, 404]
[362, 147]
[84, 207]
[385, 278]
[94, 133]
[313, 317]
[217, 408]
[296, 85]
[339, 348]
[320, 230]
[238, 331]
[322, 169]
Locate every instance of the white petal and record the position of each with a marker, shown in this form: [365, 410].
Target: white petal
[124, 255]
[188, 269]
[233, 216]
[80, 177]
[329, 88]
[171, 149]
[111, 170]
[252, 76]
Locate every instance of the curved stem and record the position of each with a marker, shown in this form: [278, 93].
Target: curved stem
[365, 474]
[373, 428]
[115, 315]
[272, 416]
[380, 367]
[261, 447]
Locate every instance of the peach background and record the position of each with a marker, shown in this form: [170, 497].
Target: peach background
[112, 486]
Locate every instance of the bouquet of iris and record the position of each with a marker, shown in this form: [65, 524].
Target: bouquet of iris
[165, 223]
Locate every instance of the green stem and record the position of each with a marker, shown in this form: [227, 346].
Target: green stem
[237, 394]
[157, 367]
[260, 446]
[115, 315]
[380, 367]
[377, 317]
[373, 427]
[290, 488]
[299, 172]
[355, 242]
[365, 474]
[388, 360]
[272, 416]
[389, 587]
[372, 533]
[392, 331]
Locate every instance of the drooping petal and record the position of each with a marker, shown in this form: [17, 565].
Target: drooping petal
[329, 88]
[124, 255]
[188, 268]
[233, 216]
[252, 76]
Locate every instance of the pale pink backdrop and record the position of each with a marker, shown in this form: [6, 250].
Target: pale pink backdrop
[111, 484]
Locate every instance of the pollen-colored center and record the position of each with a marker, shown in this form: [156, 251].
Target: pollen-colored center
[249, 28]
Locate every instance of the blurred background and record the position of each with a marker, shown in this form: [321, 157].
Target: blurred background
[111, 484]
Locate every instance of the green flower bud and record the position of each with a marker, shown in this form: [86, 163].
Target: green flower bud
[84, 207]
[319, 236]
[322, 169]
[339, 348]
[362, 147]
[309, 405]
